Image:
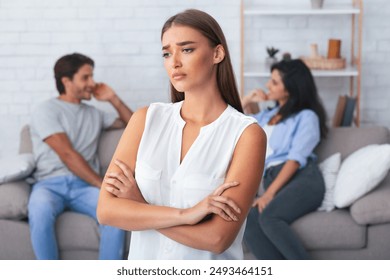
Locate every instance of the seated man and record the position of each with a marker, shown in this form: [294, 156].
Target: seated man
[65, 134]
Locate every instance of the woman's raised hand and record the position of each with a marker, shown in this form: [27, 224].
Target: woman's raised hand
[257, 95]
[254, 96]
[215, 203]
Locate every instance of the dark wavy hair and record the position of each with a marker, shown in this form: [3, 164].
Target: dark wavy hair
[67, 66]
[209, 27]
[299, 83]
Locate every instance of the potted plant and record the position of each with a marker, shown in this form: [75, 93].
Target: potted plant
[317, 4]
[271, 59]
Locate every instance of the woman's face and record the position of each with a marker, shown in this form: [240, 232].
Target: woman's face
[276, 90]
[188, 58]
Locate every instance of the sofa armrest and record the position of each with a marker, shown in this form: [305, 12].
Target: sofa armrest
[373, 208]
[14, 200]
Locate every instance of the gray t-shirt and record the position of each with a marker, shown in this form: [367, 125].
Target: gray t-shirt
[82, 124]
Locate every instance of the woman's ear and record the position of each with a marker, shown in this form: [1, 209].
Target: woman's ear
[219, 54]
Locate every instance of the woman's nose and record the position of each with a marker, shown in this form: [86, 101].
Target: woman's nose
[176, 61]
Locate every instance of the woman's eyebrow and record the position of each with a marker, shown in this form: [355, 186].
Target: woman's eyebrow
[179, 44]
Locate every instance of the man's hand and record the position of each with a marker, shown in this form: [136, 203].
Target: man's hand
[103, 92]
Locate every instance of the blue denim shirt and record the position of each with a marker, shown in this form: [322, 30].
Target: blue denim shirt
[294, 138]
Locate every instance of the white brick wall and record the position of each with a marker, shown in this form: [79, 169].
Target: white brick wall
[122, 36]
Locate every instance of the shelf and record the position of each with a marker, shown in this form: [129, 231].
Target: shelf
[256, 68]
[303, 10]
[263, 72]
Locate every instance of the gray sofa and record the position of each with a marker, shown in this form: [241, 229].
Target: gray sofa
[361, 231]
[77, 234]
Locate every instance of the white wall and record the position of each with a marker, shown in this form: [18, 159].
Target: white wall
[122, 36]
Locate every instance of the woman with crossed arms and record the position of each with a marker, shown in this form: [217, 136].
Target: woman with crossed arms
[197, 161]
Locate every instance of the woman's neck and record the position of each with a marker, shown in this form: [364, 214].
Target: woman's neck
[202, 108]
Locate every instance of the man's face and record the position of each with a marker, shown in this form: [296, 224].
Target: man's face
[82, 84]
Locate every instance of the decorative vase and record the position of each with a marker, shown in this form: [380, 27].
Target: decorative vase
[269, 61]
[317, 4]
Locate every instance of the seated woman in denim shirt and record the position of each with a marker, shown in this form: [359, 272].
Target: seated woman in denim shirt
[292, 181]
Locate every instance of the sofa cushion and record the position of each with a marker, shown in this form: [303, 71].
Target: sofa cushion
[15, 241]
[14, 199]
[346, 140]
[77, 231]
[333, 230]
[361, 172]
[25, 145]
[107, 145]
[373, 208]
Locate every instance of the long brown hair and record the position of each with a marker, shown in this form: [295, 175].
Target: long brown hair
[210, 28]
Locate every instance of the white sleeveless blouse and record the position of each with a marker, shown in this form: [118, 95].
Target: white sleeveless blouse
[163, 180]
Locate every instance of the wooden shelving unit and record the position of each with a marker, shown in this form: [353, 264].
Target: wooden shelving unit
[353, 69]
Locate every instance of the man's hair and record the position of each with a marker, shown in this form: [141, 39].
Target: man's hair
[67, 66]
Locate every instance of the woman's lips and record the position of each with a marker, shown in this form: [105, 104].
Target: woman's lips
[178, 76]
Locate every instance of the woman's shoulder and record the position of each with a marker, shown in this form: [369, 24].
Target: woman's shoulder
[306, 114]
[241, 117]
[253, 137]
[157, 107]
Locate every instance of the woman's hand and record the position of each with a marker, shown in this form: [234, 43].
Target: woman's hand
[215, 203]
[123, 184]
[254, 96]
[262, 201]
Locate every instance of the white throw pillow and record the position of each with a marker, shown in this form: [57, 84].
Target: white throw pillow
[360, 173]
[329, 169]
[16, 167]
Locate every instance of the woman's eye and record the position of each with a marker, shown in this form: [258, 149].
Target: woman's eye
[188, 50]
[166, 55]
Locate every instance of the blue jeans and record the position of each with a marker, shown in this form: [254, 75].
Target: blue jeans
[268, 234]
[49, 198]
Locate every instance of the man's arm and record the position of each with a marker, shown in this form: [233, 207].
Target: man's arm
[60, 143]
[103, 92]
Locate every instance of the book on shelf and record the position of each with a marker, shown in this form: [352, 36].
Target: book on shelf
[339, 113]
[344, 111]
[348, 111]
